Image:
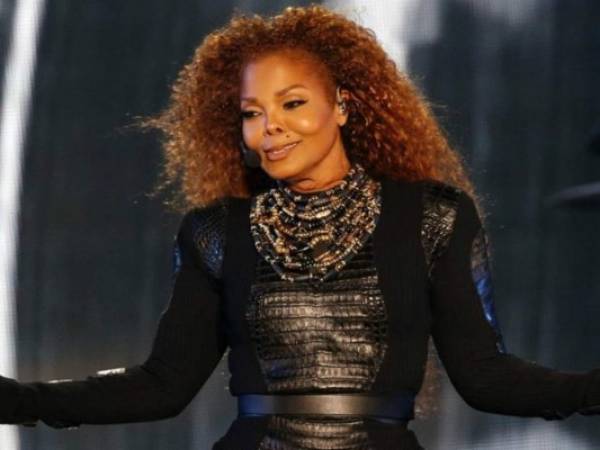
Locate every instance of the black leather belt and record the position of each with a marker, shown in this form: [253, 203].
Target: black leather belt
[398, 406]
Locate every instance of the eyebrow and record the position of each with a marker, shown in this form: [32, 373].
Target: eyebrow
[278, 93]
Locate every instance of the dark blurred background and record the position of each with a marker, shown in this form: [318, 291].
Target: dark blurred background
[516, 83]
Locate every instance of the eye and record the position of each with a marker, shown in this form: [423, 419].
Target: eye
[248, 114]
[293, 104]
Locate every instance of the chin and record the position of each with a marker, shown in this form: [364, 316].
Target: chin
[281, 170]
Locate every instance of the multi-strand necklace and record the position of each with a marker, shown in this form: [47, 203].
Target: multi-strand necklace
[311, 236]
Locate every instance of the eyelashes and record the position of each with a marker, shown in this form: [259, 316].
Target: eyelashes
[247, 114]
[296, 103]
[292, 104]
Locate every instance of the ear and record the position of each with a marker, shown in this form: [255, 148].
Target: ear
[342, 97]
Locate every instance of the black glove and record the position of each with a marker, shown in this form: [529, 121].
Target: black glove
[11, 399]
[591, 402]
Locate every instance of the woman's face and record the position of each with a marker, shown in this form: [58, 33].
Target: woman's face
[284, 103]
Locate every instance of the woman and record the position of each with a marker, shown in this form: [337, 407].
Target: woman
[323, 255]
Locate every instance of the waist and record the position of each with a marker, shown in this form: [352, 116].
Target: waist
[396, 407]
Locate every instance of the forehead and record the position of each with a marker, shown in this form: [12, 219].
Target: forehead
[268, 74]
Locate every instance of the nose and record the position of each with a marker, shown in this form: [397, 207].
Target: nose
[272, 125]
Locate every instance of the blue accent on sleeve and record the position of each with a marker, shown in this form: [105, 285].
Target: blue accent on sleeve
[483, 282]
[176, 259]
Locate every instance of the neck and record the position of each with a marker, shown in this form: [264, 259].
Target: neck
[329, 173]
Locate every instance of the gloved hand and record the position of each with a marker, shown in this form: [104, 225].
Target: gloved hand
[10, 399]
[591, 402]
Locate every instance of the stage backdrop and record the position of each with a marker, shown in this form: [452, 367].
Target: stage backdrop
[514, 82]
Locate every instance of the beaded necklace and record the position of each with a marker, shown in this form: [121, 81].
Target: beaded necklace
[311, 236]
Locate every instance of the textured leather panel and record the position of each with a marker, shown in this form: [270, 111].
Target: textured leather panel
[319, 336]
[208, 234]
[298, 433]
[481, 273]
[440, 205]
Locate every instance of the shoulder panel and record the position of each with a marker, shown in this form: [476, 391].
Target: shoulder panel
[440, 208]
[440, 205]
[207, 229]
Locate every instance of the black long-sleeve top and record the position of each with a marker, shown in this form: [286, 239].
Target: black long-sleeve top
[430, 256]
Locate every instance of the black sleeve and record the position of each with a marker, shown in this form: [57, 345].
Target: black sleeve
[468, 339]
[187, 347]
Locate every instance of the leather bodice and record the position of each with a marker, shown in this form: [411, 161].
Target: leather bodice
[321, 336]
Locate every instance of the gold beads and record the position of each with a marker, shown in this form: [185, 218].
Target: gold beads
[313, 235]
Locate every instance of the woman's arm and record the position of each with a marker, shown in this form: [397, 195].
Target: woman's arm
[188, 345]
[468, 339]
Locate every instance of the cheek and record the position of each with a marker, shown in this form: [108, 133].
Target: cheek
[252, 133]
[310, 122]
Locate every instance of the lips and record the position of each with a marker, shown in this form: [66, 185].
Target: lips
[279, 147]
[280, 151]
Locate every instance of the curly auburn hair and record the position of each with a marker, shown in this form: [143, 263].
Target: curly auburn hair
[391, 129]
